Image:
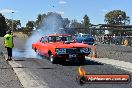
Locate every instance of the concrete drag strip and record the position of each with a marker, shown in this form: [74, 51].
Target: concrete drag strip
[27, 79]
[117, 63]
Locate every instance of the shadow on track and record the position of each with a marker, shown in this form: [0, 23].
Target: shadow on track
[66, 63]
[87, 62]
[35, 68]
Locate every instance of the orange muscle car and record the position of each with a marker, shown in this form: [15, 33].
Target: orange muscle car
[61, 47]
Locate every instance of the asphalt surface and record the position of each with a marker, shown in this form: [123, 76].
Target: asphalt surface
[123, 53]
[8, 79]
[64, 76]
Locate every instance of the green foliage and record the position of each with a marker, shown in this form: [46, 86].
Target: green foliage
[86, 21]
[86, 24]
[66, 22]
[30, 26]
[16, 24]
[3, 26]
[117, 17]
[40, 19]
[25, 31]
[75, 24]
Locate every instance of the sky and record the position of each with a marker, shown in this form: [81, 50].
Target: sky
[27, 10]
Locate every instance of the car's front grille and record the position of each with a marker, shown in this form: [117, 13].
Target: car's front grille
[72, 51]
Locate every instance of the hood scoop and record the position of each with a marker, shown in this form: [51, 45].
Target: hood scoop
[67, 42]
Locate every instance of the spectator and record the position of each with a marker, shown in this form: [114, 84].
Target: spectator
[8, 43]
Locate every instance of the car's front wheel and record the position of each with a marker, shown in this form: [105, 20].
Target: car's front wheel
[82, 60]
[37, 52]
[52, 59]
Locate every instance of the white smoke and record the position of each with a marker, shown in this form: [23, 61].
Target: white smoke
[51, 24]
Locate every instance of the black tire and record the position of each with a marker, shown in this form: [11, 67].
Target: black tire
[61, 61]
[82, 60]
[52, 59]
[37, 52]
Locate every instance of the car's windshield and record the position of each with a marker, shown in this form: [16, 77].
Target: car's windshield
[54, 39]
[66, 38]
[85, 35]
[60, 38]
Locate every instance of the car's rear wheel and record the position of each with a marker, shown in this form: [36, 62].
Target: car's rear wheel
[52, 59]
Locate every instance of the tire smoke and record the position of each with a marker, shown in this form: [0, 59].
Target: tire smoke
[50, 24]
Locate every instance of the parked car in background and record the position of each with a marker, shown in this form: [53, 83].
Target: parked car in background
[61, 47]
[84, 38]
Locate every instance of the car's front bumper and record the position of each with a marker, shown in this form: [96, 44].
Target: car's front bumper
[71, 56]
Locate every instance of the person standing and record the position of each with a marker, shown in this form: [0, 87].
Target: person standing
[8, 43]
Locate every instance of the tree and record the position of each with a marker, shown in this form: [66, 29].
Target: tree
[117, 17]
[9, 23]
[30, 26]
[3, 26]
[39, 20]
[86, 24]
[86, 21]
[66, 22]
[16, 24]
[74, 25]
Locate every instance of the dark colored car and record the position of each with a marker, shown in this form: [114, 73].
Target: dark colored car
[84, 38]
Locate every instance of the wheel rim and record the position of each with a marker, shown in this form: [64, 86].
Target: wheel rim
[51, 58]
[37, 52]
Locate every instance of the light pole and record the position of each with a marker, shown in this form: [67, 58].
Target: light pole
[12, 22]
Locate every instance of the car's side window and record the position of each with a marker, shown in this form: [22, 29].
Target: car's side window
[51, 39]
[64, 38]
[54, 39]
[43, 39]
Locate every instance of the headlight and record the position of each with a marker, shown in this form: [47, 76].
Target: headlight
[85, 50]
[61, 51]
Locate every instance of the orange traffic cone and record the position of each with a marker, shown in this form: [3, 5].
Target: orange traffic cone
[94, 52]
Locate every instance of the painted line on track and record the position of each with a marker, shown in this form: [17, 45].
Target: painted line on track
[117, 63]
[27, 79]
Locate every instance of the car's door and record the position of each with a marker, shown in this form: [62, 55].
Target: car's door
[38, 46]
[43, 46]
